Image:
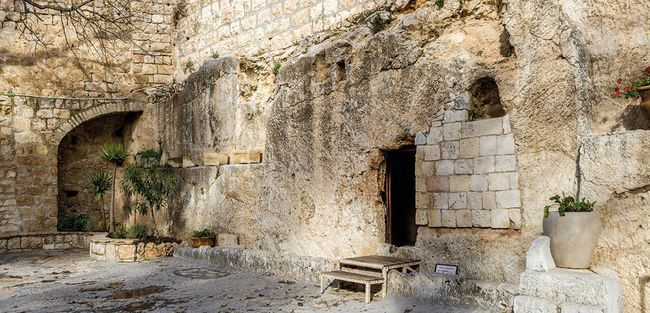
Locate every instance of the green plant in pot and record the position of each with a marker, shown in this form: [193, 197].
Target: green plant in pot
[203, 237]
[639, 87]
[573, 229]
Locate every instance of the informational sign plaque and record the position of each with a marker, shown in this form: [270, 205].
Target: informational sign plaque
[447, 269]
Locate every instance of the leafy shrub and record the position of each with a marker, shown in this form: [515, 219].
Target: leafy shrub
[137, 231]
[276, 69]
[119, 232]
[77, 222]
[569, 204]
[203, 233]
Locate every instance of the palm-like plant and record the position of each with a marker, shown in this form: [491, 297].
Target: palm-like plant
[101, 183]
[116, 155]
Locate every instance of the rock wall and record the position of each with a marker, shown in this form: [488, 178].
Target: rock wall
[47, 67]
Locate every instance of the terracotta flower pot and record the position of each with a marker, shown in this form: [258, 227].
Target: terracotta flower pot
[202, 241]
[573, 238]
[644, 93]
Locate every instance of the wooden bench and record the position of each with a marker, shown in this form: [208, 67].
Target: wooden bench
[365, 280]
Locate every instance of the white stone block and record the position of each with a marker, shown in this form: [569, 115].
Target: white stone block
[437, 183]
[505, 163]
[484, 165]
[481, 218]
[478, 183]
[500, 218]
[457, 200]
[508, 199]
[421, 217]
[427, 169]
[227, 240]
[422, 200]
[538, 256]
[431, 153]
[488, 145]
[450, 150]
[459, 183]
[526, 304]
[456, 116]
[451, 131]
[463, 218]
[435, 218]
[475, 200]
[493, 126]
[499, 181]
[445, 167]
[514, 180]
[420, 184]
[469, 148]
[579, 308]
[515, 217]
[464, 166]
[489, 200]
[441, 200]
[420, 139]
[506, 144]
[506, 124]
[435, 135]
[448, 218]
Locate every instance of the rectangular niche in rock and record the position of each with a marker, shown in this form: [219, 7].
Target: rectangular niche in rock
[466, 174]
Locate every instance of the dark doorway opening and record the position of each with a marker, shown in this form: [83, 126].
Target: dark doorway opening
[400, 196]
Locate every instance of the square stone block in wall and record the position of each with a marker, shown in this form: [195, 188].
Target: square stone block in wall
[475, 200]
[420, 139]
[427, 169]
[469, 148]
[499, 181]
[493, 126]
[32, 242]
[478, 183]
[508, 199]
[481, 218]
[514, 180]
[438, 183]
[505, 163]
[431, 153]
[457, 200]
[215, 158]
[451, 131]
[488, 145]
[449, 150]
[440, 200]
[506, 144]
[489, 200]
[506, 124]
[459, 183]
[445, 167]
[435, 218]
[245, 157]
[484, 165]
[463, 218]
[422, 200]
[515, 217]
[500, 218]
[455, 116]
[13, 243]
[421, 217]
[464, 167]
[435, 135]
[421, 184]
[448, 218]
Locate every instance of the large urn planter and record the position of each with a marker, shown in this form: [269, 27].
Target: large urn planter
[573, 238]
[644, 93]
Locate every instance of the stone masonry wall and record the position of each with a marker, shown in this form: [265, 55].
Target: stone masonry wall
[252, 27]
[27, 67]
[466, 173]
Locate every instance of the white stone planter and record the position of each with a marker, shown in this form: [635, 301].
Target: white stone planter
[573, 238]
[127, 250]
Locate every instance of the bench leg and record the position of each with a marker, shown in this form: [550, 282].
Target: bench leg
[384, 286]
[368, 294]
[322, 284]
[338, 285]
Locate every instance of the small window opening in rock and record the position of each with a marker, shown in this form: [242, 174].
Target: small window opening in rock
[340, 70]
[401, 229]
[506, 49]
[71, 193]
[485, 101]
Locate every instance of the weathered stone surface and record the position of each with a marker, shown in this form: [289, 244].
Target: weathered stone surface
[215, 158]
[526, 304]
[421, 217]
[31, 242]
[227, 240]
[538, 256]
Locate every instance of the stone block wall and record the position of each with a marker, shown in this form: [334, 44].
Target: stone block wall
[249, 27]
[466, 173]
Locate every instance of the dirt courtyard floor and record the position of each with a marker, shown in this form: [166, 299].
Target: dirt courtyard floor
[68, 281]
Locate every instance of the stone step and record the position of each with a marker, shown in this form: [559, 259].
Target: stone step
[527, 304]
[581, 287]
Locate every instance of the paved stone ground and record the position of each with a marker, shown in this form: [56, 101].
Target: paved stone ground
[67, 281]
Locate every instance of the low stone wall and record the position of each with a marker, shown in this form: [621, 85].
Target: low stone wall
[60, 240]
[127, 250]
[301, 268]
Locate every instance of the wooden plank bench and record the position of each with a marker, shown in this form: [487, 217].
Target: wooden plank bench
[365, 280]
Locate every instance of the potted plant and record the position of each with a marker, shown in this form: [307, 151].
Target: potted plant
[203, 237]
[573, 229]
[639, 87]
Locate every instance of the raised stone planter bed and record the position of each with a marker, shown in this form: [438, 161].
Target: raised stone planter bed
[58, 240]
[127, 250]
